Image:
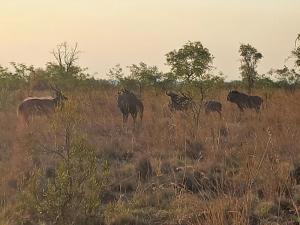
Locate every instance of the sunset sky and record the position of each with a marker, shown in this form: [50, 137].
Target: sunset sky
[129, 31]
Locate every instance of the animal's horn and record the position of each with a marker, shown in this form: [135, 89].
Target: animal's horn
[53, 87]
[183, 94]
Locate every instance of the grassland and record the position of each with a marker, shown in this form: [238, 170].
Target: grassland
[241, 169]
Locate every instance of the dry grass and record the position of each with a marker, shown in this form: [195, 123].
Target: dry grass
[235, 170]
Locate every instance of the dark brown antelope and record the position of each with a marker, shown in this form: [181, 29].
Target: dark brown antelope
[40, 106]
[244, 101]
[128, 103]
[179, 102]
[213, 106]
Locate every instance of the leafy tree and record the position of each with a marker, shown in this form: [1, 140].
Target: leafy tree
[289, 78]
[168, 81]
[39, 79]
[116, 73]
[249, 59]
[265, 82]
[296, 55]
[296, 52]
[117, 77]
[72, 193]
[16, 78]
[191, 62]
[145, 75]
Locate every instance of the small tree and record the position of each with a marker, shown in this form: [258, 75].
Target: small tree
[116, 73]
[117, 77]
[72, 193]
[250, 58]
[191, 64]
[296, 52]
[289, 78]
[16, 78]
[39, 79]
[145, 75]
[169, 80]
[64, 71]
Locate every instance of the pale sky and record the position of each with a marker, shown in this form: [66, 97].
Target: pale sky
[129, 31]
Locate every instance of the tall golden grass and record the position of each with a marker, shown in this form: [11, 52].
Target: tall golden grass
[234, 170]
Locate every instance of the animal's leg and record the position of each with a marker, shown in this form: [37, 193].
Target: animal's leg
[141, 116]
[171, 107]
[134, 115]
[220, 113]
[125, 118]
[257, 109]
[241, 108]
[24, 120]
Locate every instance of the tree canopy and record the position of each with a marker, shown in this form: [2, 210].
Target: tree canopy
[191, 62]
[249, 60]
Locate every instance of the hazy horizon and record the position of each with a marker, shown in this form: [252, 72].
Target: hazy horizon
[126, 32]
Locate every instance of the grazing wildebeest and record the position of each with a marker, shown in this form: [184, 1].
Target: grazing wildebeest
[38, 106]
[245, 101]
[179, 102]
[213, 106]
[128, 103]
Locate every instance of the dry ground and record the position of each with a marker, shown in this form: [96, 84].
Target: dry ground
[240, 169]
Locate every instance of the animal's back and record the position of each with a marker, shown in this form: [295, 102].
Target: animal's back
[244, 100]
[39, 105]
[213, 105]
[256, 101]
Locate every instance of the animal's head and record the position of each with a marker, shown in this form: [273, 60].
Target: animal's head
[59, 95]
[123, 91]
[232, 95]
[187, 96]
[171, 93]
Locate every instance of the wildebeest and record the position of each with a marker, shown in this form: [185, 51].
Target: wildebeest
[245, 101]
[179, 102]
[38, 106]
[213, 106]
[128, 103]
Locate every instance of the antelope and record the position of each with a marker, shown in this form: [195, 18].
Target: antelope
[179, 102]
[244, 101]
[128, 103]
[213, 106]
[40, 106]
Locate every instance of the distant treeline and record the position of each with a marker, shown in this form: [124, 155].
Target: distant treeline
[190, 66]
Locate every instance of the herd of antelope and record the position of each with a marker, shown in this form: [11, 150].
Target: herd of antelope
[129, 103]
